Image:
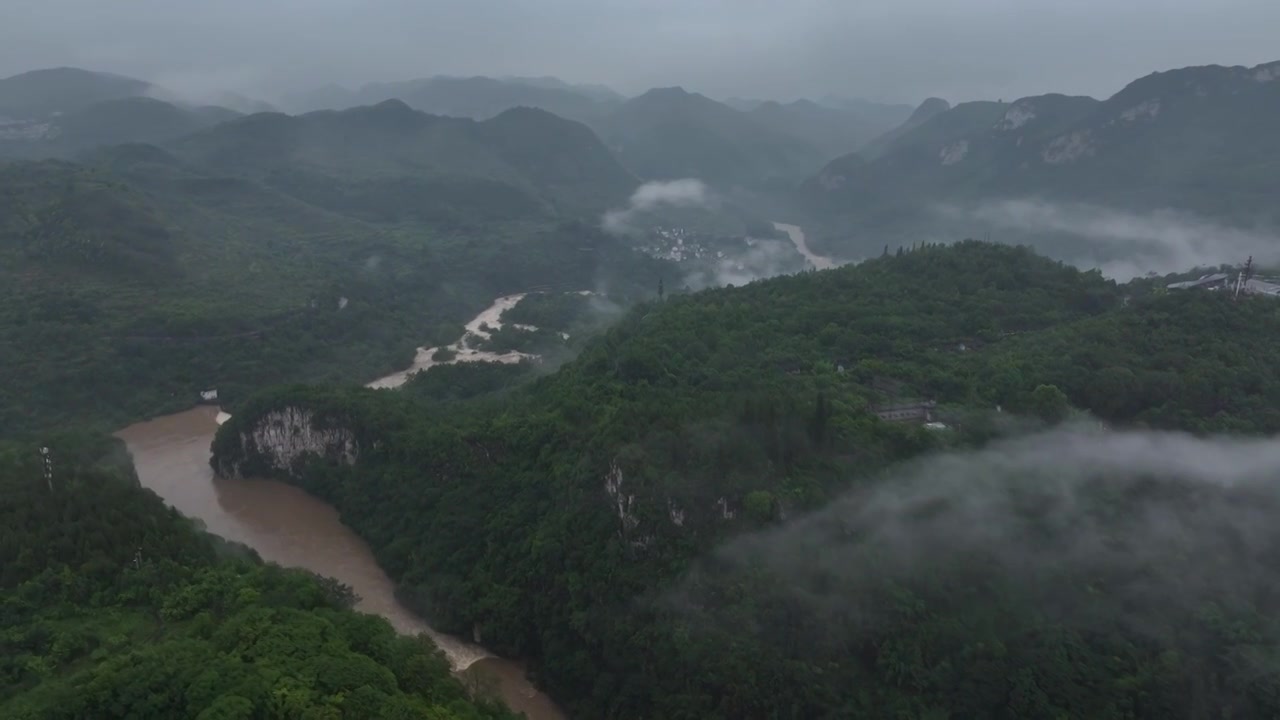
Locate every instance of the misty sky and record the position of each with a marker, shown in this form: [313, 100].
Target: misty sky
[901, 50]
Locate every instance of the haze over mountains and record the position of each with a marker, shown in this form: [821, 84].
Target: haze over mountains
[666, 133]
[580, 370]
[1197, 140]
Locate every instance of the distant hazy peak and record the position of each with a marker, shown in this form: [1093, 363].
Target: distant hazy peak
[927, 109]
[393, 105]
[674, 91]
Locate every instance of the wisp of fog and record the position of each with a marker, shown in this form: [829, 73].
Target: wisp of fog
[1098, 529]
[687, 192]
[1161, 241]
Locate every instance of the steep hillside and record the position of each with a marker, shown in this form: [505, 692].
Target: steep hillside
[922, 114]
[574, 521]
[391, 157]
[115, 605]
[670, 133]
[1195, 139]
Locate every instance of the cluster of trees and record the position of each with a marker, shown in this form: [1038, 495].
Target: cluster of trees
[573, 520]
[128, 287]
[116, 606]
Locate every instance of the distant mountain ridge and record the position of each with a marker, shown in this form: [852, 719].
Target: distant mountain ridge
[61, 111]
[1200, 139]
[51, 92]
[40, 94]
[525, 160]
[744, 142]
[478, 97]
[672, 133]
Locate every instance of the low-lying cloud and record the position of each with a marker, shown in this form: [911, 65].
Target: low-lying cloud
[1095, 528]
[757, 260]
[688, 192]
[1123, 244]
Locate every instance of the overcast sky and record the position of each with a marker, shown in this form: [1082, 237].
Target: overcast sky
[901, 50]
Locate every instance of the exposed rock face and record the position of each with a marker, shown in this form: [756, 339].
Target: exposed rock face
[1145, 110]
[1018, 115]
[954, 153]
[280, 438]
[1069, 148]
[624, 502]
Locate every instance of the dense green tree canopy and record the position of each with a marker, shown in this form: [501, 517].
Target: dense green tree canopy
[116, 606]
[572, 519]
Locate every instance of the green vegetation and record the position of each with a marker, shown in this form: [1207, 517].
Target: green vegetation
[574, 519]
[115, 606]
[528, 157]
[134, 281]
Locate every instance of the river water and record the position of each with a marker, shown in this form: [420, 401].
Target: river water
[463, 350]
[286, 525]
[796, 233]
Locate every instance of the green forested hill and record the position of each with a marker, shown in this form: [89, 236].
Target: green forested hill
[522, 153]
[116, 606]
[573, 521]
[134, 281]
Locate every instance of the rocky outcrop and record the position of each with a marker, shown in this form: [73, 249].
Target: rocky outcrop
[278, 441]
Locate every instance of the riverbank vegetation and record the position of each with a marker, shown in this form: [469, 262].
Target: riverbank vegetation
[117, 606]
[575, 521]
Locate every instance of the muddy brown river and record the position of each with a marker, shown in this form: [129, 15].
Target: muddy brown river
[286, 525]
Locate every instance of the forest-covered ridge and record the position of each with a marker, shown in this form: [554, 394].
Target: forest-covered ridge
[561, 520]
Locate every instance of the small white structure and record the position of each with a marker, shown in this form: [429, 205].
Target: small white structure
[209, 395]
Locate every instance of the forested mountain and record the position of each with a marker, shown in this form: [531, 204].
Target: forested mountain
[574, 520]
[1198, 139]
[111, 122]
[522, 162]
[134, 281]
[116, 606]
[670, 133]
